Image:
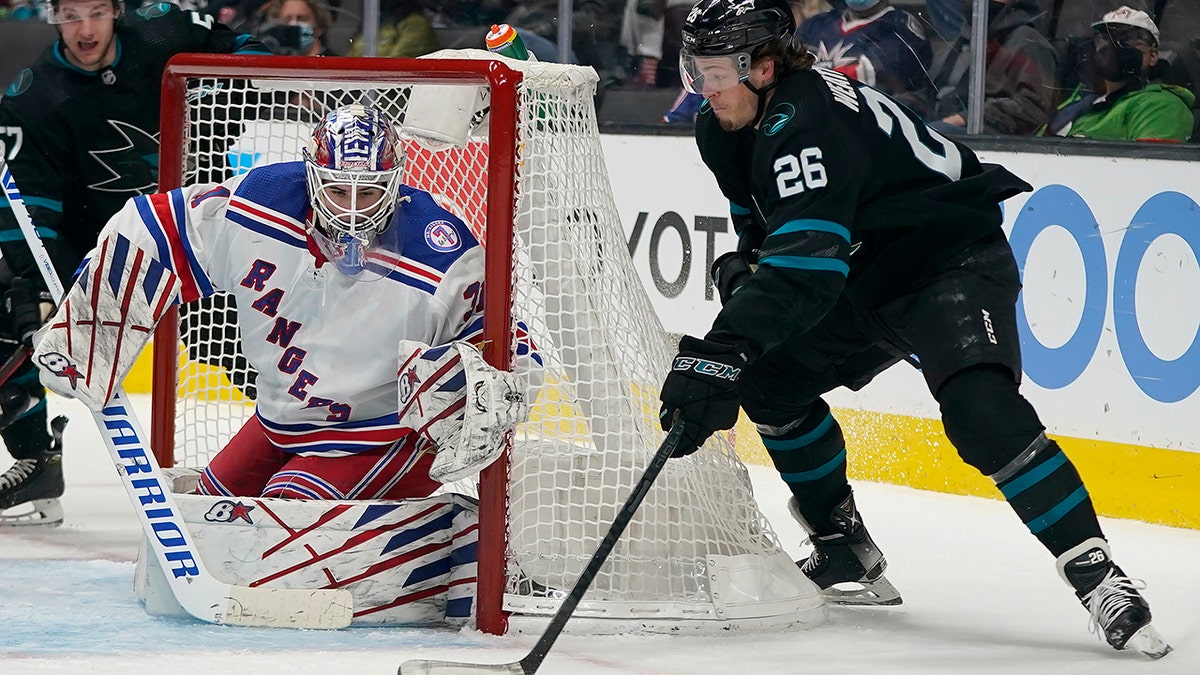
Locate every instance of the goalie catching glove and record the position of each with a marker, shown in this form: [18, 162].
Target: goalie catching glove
[702, 387]
[452, 397]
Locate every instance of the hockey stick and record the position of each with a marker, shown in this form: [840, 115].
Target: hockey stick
[532, 661]
[13, 363]
[197, 591]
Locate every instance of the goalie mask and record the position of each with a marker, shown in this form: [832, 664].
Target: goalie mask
[354, 165]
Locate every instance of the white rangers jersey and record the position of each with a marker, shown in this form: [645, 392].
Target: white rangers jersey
[324, 345]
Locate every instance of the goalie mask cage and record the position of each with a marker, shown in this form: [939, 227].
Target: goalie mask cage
[523, 166]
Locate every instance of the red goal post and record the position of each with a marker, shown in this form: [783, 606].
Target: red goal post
[499, 212]
[514, 149]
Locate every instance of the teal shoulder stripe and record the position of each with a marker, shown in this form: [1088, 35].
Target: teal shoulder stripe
[738, 209]
[802, 263]
[814, 225]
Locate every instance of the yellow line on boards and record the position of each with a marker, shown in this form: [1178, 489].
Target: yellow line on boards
[1125, 481]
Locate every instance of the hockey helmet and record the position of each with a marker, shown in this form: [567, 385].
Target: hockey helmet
[354, 164]
[730, 28]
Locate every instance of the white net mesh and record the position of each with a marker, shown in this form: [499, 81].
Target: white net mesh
[577, 300]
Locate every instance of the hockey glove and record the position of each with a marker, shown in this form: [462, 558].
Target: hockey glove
[26, 308]
[729, 272]
[702, 388]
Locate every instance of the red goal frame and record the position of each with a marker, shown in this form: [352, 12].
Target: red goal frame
[500, 213]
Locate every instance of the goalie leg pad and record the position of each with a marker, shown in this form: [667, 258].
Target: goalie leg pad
[88, 347]
[463, 406]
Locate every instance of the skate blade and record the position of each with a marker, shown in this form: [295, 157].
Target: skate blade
[41, 513]
[1147, 641]
[879, 592]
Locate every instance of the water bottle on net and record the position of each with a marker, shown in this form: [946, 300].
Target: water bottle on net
[502, 39]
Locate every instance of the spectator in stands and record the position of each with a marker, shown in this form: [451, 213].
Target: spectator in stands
[296, 27]
[1124, 105]
[686, 105]
[1019, 82]
[947, 17]
[404, 31]
[876, 44]
[240, 15]
[649, 31]
[20, 10]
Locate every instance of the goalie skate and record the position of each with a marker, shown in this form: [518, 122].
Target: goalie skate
[847, 566]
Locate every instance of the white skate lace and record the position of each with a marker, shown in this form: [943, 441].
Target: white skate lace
[17, 473]
[1110, 598]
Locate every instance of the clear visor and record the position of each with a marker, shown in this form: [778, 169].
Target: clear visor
[366, 258]
[712, 74]
[74, 12]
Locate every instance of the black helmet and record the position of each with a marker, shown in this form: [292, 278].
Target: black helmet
[717, 27]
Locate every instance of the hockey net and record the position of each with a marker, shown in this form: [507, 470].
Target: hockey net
[514, 149]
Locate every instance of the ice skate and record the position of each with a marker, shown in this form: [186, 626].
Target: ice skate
[847, 566]
[30, 489]
[1117, 610]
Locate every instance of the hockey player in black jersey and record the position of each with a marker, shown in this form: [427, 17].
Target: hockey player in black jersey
[865, 239]
[79, 132]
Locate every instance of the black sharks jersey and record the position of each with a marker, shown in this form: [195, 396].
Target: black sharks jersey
[849, 192]
[80, 143]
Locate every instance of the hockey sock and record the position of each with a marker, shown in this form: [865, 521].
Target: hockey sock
[1045, 490]
[996, 430]
[810, 455]
[25, 436]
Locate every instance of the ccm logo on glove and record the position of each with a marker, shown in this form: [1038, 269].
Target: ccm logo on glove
[705, 367]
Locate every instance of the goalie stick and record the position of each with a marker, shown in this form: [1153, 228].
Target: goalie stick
[533, 660]
[197, 591]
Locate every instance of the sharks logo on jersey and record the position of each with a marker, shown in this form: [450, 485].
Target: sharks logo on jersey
[778, 119]
[133, 165]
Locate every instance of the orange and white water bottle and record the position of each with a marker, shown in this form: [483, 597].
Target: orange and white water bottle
[502, 39]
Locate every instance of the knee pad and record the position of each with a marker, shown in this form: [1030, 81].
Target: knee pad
[986, 418]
